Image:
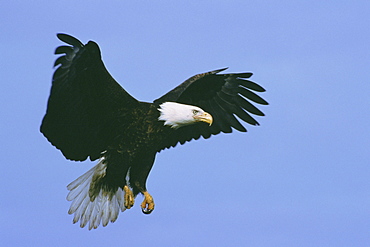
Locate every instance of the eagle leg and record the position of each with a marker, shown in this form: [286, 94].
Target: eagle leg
[147, 206]
[129, 197]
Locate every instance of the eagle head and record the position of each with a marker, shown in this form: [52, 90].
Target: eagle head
[177, 115]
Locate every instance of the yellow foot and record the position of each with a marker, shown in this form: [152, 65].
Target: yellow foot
[147, 206]
[129, 197]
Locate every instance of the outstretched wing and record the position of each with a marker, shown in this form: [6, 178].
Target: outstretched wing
[224, 96]
[81, 116]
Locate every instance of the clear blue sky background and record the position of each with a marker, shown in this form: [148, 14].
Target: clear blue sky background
[299, 179]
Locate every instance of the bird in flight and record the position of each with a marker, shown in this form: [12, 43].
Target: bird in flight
[89, 115]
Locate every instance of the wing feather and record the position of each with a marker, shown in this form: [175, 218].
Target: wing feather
[224, 96]
[70, 40]
[85, 102]
[251, 85]
[63, 49]
[252, 96]
[249, 107]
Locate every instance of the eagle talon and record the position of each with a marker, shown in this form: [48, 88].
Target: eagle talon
[147, 206]
[129, 197]
[146, 211]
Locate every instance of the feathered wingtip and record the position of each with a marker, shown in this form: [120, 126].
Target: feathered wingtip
[104, 208]
[69, 40]
[68, 54]
[218, 70]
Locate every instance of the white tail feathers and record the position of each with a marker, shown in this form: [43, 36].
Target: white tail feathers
[104, 208]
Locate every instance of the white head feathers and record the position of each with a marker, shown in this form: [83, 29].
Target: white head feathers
[177, 115]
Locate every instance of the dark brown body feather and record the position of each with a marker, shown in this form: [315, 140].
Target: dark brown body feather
[133, 151]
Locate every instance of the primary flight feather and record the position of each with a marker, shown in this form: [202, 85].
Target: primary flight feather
[89, 115]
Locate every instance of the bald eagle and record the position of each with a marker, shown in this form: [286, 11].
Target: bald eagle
[89, 115]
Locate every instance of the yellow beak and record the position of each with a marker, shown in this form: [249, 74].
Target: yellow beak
[205, 117]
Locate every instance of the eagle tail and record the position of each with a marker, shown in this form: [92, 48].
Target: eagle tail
[93, 203]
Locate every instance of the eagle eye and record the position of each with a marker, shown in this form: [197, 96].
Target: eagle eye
[195, 112]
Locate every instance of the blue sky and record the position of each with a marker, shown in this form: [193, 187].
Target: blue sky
[299, 179]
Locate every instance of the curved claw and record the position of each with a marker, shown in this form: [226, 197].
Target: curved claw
[146, 210]
[147, 206]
